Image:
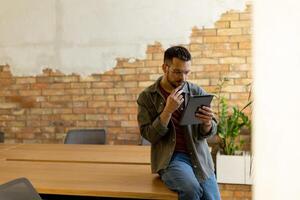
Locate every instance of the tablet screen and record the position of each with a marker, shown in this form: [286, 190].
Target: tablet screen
[192, 106]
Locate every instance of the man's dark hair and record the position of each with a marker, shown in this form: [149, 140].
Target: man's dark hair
[176, 52]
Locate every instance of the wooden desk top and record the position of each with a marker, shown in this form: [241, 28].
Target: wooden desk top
[88, 179]
[127, 154]
[4, 146]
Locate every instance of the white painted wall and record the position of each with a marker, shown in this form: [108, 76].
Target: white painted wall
[86, 36]
[277, 99]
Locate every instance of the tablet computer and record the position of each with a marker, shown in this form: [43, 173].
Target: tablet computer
[194, 102]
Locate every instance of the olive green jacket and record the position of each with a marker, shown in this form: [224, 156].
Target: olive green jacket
[150, 105]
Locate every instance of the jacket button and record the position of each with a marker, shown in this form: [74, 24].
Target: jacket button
[191, 153]
[173, 139]
[195, 166]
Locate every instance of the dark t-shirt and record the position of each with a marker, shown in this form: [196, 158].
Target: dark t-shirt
[176, 116]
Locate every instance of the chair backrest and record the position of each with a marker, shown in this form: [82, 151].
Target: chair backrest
[86, 136]
[144, 141]
[18, 189]
[1, 137]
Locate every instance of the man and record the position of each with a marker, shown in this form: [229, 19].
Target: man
[179, 154]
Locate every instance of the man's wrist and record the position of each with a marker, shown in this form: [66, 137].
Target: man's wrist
[209, 124]
[167, 112]
[165, 117]
[206, 127]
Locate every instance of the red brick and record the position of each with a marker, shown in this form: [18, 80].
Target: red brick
[148, 70]
[22, 80]
[93, 78]
[30, 92]
[62, 111]
[243, 23]
[80, 85]
[128, 110]
[222, 24]
[216, 53]
[240, 38]
[53, 92]
[216, 39]
[118, 117]
[97, 104]
[126, 97]
[203, 61]
[96, 117]
[157, 48]
[136, 77]
[54, 104]
[40, 111]
[39, 86]
[104, 97]
[102, 85]
[82, 97]
[75, 91]
[85, 111]
[126, 84]
[129, 123]
[110, 78]
[66, 79]
[115, 91]
[229, 31]
[232, 60]
[63, 98]
[94, 91]
[89, 124]
[68, 117]
[59, 85]
[79, 104]
[118, 104]
[214, 68]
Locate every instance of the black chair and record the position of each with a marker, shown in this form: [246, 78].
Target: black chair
[1, 137]
[86, 136]
[18, 189]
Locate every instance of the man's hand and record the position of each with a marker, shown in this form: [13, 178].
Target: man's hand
[174, 100]
[205, 114]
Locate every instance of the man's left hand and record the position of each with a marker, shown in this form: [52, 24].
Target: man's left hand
[205, 114]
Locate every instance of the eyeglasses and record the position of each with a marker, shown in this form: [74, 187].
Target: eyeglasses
[178, 72]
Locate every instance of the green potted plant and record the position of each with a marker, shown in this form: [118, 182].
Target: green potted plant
[231, 160]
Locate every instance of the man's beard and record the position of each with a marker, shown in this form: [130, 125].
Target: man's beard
[174, 84]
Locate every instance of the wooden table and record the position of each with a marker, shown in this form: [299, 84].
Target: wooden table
[88, 179]
[7, 146]
[120, 171]
[126, 154]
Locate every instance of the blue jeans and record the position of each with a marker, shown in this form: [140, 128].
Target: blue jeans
[179, 176]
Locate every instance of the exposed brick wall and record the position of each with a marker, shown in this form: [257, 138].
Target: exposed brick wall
[42, 108]
[235, 192]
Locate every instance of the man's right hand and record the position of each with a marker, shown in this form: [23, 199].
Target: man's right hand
[174, 100]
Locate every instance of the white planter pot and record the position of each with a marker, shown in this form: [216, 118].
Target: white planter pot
[234, 169]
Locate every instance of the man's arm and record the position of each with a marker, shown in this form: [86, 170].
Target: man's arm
[153, 130]
[150, 129]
